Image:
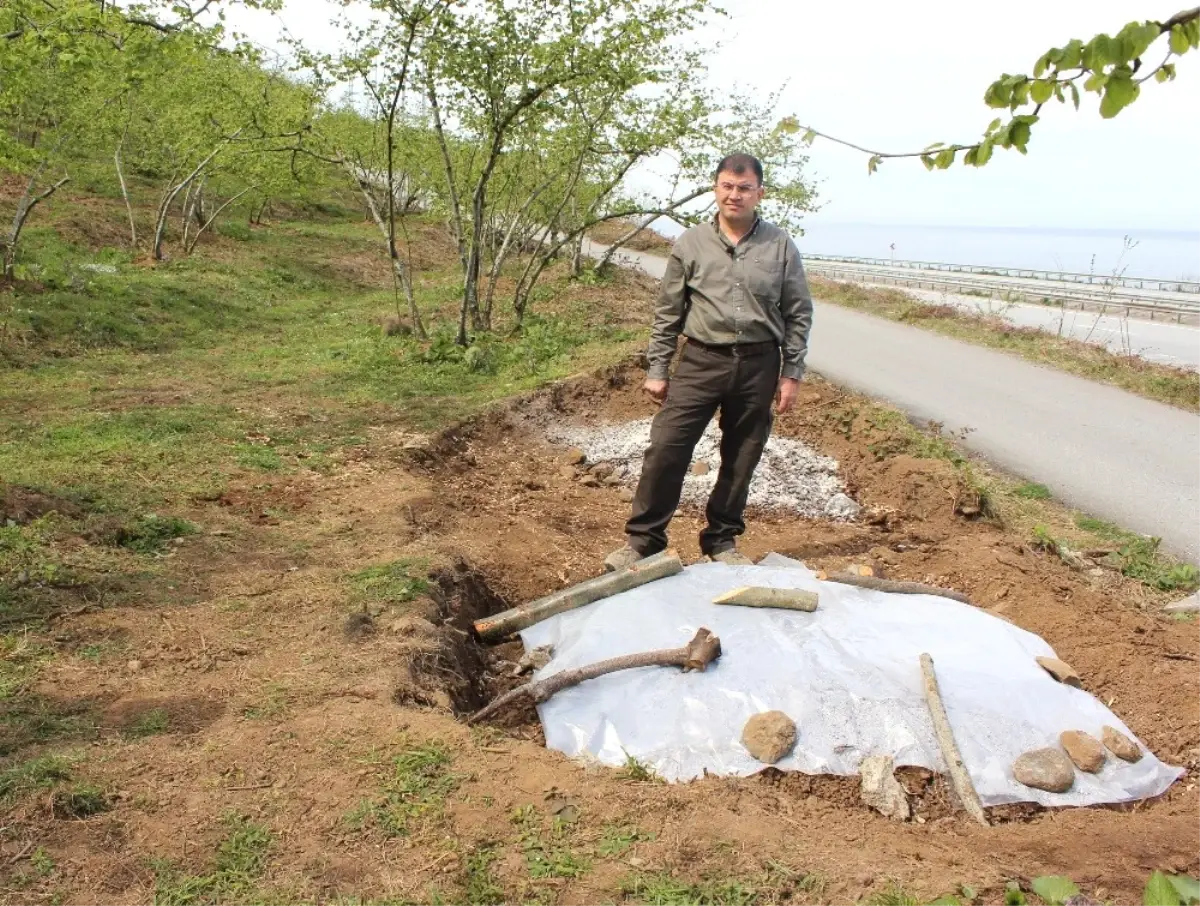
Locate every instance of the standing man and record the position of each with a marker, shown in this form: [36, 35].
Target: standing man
[735, 288]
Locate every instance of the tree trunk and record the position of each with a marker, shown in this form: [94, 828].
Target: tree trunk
[125, 192]
[206, 224]
[28, 202]
[164, 206]
[702, 650]
[650, 569]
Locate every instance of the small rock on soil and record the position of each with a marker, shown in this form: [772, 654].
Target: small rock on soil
[881, 790]
[769, 736]
[1120, 744]
[1084, 750]
[701, 468]
[574, 456]
[1045, 769]
[1061, 671]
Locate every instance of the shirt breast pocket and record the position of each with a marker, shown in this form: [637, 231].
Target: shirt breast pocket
[766, 280]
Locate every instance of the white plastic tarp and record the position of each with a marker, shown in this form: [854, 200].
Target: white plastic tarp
[848, 674]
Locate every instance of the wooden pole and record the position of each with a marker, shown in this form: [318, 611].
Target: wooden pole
[900, 588]
[783, 598]
[959, 777]
[659, 566]
[702, 650]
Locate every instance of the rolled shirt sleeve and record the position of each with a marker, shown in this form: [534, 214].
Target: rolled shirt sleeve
[796, 307]
[669, 314]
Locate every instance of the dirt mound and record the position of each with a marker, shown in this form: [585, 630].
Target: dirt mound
[21, 505]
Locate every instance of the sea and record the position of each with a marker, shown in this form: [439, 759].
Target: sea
[1158, 254]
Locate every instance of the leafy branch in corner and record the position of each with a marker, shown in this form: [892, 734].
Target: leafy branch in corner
[1110, 66]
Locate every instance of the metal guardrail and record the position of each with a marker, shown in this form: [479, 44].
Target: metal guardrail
[1123, 303]
[1170, 286]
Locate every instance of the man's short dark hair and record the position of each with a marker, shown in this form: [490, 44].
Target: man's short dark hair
[739, 164]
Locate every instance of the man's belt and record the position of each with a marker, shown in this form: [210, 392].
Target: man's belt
[737, 349]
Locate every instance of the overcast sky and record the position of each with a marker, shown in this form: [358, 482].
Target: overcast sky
[898, 76]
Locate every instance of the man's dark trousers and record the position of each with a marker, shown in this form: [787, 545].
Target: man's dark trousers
[739, 380]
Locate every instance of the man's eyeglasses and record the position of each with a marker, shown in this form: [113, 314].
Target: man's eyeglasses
[743, 188]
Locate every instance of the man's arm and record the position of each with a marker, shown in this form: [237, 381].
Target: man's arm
[669, 314]
[797, 309]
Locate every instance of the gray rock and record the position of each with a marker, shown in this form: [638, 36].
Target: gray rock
[574, 457]
[1190, 604]
[1084, 750]
[1045, 769]
[841, 506]
[881, 790]
[99, 268]
[769, 736]
[1120, 744]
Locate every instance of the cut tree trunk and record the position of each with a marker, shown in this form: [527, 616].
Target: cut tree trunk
[702, 650]
[900, 588]
[959, 777]
[659, 566]
[783, 598]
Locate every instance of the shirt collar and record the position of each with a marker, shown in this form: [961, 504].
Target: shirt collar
[716, 223]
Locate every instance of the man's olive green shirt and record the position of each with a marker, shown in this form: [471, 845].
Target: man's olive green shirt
[720, 294]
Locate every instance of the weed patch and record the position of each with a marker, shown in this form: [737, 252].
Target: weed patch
[240, 861]
[29, 776]
[80, 801]
[416, 791]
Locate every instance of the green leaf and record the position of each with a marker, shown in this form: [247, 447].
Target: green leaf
[1041, 91]
[873, 163]
[947, 899]
[1020, 94]
[1071, 54]
[1119, 93]
[969, 157]
[945, 159]
[1187, 888]
[1160, 892]
[927, 160]
[1095, 82]
[1041, 65]
[983, 153]
[1013, 896]
[1179, 40]
[1075, 95]
[1165, 73]
[809, 137]
[1058, 92]
[1018, 134]
[998, 93]
[1054, 889]
[992, 126]
[934, 146]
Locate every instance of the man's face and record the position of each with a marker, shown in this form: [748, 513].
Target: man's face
[738, 194]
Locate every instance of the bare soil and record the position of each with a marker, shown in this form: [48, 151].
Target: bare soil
[277, 713]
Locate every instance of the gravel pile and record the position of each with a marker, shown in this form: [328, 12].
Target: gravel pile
[790, 477]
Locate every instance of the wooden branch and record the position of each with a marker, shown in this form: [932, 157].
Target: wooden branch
[783, 598]
[648, 570]
[899, 588]
[959, 777]
[702, 650]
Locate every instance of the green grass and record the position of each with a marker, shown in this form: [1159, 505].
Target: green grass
[151, 723]
[39, 773]
[480, 887]
[389, 584]
[240, 861]
[1032, 491]
[81, 800]
[151, 533]
[1174, 386]
[547, 852]
[415, 792]
[666, 890]
[616, 840]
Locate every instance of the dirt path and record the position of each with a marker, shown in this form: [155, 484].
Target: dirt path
[338, 737]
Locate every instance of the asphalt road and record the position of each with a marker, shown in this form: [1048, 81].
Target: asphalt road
[1101, 450]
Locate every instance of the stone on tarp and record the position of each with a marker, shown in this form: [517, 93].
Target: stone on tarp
[881, 790]
[1061, 671]
[1120, 744]
[1045, 769]
[1084, 750]
[769, 736]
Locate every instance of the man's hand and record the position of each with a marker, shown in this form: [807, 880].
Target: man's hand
[786, 394]
[656, 388]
